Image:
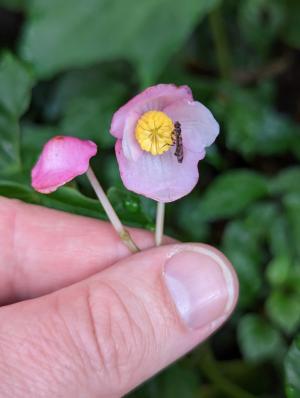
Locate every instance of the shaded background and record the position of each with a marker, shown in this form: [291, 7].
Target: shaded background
[66, 66]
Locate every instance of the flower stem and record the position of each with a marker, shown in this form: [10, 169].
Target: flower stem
[159, 229]
[110, 212]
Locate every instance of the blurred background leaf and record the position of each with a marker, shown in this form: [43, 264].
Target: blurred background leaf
[283, 309]
[260, 130]
[230, 193]
[292, 369]
[16, 81]
[259, 341]
[163, 385]
[245, 251]
[105, 33]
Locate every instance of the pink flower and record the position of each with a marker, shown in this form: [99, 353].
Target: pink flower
[62, 159]
[147, 142]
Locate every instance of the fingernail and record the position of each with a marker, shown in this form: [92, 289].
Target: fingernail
[201, 285]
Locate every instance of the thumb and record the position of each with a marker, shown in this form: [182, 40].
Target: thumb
[107, 334]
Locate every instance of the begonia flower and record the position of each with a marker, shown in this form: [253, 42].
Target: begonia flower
[62, 159]
[161, 136]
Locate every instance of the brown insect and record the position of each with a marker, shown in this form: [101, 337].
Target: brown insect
[177, 141]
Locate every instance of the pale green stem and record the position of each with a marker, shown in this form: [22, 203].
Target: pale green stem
[110, 212]
[159, 229]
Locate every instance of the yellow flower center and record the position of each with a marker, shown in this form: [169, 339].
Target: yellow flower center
[154, 132]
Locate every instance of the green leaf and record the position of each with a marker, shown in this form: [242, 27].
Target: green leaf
[258, 340]
[265, 212]
[12, 189]
[72, 201]
[283, 310]
[254, 127]
[65, 198]
[292, 205]
[9, 143]
[293, 279]
[278, 270]
[16, 80]
[280, 237]
[188, 218]
[179, 382]
[292, 369]
[245, 253]
[129, 207]
[231, 193]
[286, 181]
[15, 84]
[81, 33]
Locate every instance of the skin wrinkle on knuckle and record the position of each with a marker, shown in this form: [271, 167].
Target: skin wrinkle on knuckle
[127, 330]
[118, 336]
[74, 352]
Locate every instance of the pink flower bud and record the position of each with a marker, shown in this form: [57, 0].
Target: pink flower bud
[62, 159]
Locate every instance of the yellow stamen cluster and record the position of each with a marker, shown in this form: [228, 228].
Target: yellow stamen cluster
[154, 132]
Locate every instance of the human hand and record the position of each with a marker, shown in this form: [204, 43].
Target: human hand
[85, 318]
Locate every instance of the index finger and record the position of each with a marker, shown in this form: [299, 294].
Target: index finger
[42, 250]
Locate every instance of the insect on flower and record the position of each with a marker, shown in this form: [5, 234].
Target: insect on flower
[155, 125]
[177, 140]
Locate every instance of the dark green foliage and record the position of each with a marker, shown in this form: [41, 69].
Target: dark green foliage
[231, 193]
[105, 32]
[259, 131]
[283, 310]
[75, 62]
[15, 86]
[178, 381]
[292, 369]
[258, 339]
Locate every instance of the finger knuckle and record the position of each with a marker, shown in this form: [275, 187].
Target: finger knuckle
[118, 332]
